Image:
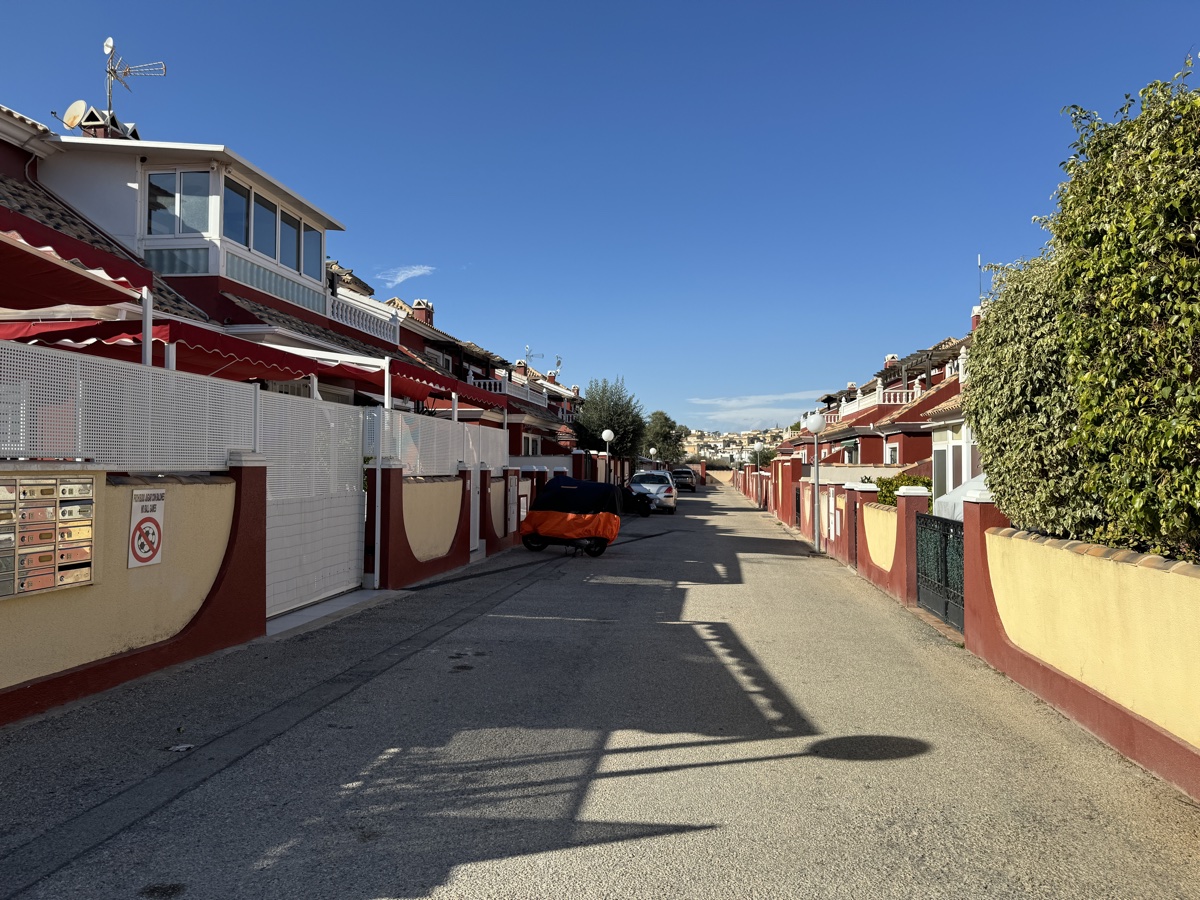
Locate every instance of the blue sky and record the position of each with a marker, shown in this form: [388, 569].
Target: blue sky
[735, 207]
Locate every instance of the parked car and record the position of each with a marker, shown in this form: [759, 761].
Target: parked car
[658, 486]
[685, 478]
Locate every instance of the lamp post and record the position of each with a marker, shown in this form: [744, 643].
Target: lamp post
[608, 435]
[816, 424]
[758, 448]
[653, 453]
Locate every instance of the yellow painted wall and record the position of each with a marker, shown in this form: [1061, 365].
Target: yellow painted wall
[879, 524]
[50, 631]
[498, 506]
[1129, 632]
[431, 508]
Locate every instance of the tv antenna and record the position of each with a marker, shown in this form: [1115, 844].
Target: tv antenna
[529, 356]
[116, 69]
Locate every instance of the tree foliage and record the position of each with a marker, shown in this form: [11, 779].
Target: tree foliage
[608, 404]
[1083, 392]
[665, 436]
[1127, 238]
[1020, 406]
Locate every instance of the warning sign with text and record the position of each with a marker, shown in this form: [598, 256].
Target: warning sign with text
[146, 527]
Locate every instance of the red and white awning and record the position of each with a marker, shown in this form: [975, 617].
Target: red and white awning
[34, 277]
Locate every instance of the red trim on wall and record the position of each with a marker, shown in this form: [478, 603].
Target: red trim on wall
[235, 611]
[1124, 730]
[399, 567]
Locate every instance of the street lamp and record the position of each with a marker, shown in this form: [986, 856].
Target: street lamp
[816, 424]
[653, 453]
[608, 435]
[758, 447]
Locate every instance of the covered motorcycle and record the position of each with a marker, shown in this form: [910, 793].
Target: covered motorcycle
[573, 513]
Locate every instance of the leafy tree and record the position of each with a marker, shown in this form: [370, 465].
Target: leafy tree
[1127, 241]
[664, 435]
[608, 404]
[1020, 406]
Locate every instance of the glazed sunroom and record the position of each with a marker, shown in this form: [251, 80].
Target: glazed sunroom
[201, 211]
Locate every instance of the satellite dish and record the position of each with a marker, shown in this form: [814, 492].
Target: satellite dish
[74, 113]
[108, 45]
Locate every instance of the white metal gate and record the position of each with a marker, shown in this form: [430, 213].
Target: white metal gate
[316, 504]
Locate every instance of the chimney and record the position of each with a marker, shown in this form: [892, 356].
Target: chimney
[976, 315]
[891, 360]
[423, 312]
[551, 375]
[519, 367]
[575, 389]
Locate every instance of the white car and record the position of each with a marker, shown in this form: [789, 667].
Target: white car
[658, 486]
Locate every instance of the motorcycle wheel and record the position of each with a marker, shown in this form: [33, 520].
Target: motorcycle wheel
[596, 547]
[534, 543]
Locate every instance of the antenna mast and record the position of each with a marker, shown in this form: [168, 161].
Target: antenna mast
[116, 69]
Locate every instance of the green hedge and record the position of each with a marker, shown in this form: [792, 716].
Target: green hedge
[1084, 388]
[888, 486]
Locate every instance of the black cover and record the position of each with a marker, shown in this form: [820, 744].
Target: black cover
[570, 495]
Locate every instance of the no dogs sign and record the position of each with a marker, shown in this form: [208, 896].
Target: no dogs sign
[146, 527]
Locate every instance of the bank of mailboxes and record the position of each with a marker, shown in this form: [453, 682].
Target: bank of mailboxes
[45, 533]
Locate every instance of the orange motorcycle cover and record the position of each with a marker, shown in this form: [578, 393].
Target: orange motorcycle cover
[571, 525]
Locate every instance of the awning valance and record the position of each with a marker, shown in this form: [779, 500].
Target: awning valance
[198, 350]
[37, 278]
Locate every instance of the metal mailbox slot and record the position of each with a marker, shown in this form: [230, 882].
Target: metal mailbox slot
[46, 533]
[35, 536]
[72, 511]
[74, 489]
[75, 532]
[38, 559]
[39, 490]
[74, 553]
[37, 512]
[75, 575]
[35, 582]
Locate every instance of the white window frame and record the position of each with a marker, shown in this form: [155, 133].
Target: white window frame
[153, 240]
[280, 208]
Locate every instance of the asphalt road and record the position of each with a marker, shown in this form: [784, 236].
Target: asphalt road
[706, 711]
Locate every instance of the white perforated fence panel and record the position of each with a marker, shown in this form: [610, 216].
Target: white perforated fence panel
[494, 447]
[315, 499]
[314, 549]
[429, 446]
[59, 404]
[313, 448]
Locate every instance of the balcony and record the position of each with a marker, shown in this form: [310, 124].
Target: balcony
[383, 322]
[510, 388]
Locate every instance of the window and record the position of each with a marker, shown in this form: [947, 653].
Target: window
[236, 225]
[256, 222]
[314, 259]
[289, 241]
[939, 472]
[265, 213]
[893, 453]
[177, 203]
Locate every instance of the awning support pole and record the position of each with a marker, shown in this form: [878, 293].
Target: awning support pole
[453, 407]
[147, 328]
[384, 419]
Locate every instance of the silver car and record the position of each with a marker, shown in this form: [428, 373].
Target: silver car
[658, 486]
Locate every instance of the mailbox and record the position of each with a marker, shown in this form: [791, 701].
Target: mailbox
[46, 533]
